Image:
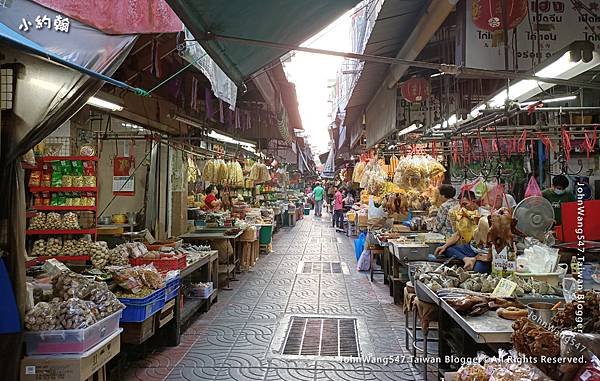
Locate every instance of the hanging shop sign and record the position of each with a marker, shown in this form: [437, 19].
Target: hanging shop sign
[415, 90]
[123, 178]
[541, 29]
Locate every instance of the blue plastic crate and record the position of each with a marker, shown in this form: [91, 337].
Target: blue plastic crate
[138, 310]
[172, 288]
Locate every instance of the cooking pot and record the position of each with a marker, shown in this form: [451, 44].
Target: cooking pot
[119, 218]
[104, 220]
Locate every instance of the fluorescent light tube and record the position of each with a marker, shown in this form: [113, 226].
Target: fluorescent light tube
[227, 139]
[101, 103]
[550, 100]
[562, 68]
[409, 129]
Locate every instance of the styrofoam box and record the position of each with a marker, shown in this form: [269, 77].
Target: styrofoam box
[72, 340]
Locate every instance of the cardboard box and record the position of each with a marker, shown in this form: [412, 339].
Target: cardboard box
[71, 367]
[137, 333]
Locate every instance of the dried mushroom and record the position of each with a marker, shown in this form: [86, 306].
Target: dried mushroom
[38, 222]
[105, 301]
[53, 221]
[118, 256]
[69, 284]
[99, 254]
[75, 314]
[42, 317]
[39, 248]
[70, 221]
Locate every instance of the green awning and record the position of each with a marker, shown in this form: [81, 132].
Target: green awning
[282, 21]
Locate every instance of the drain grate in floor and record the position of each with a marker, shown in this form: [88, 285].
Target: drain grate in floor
[316, 336]
[322, 268]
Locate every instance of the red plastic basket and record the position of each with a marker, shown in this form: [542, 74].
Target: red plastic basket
[165, 263]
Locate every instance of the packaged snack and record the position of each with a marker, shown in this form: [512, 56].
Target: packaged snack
[56, 180]
[77, 167]
[78, 181]
[36, 178]
[54, 200]
[46, 198]
[89, 181]
[38, 200]
[67, 181]
[88, 168]
[62, 199]
[66, 167]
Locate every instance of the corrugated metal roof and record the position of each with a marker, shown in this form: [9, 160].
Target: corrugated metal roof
[395, 22]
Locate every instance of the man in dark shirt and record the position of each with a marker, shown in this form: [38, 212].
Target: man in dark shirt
[558, 194]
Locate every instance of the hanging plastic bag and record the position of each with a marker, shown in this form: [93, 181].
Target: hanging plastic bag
[359, 245]
[533, 189]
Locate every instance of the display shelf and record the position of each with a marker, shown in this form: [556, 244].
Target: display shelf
[47, 159]
[60, 258]
[65, 208]
[191, 306]
[62, 189]
[60, 231]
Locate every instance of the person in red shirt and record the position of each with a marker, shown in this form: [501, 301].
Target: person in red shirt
[338, 209]
[211, 202]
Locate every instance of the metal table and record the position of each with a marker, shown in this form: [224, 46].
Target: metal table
[213, 234]
[463, 336]
[204, 270]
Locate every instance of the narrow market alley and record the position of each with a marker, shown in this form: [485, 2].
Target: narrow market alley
[239, 337]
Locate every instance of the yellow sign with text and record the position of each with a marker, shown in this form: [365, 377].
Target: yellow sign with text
[504, 289]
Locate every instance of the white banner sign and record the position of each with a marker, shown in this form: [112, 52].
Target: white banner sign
[560, 23]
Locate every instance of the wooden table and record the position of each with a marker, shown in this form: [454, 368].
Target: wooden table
[213, 234]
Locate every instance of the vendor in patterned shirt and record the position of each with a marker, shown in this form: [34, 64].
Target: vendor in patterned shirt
[463, 245]
[443, 225]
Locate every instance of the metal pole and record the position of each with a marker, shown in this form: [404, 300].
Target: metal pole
[444, 68]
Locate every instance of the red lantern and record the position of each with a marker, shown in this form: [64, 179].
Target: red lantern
[488, 14]
[415, 90]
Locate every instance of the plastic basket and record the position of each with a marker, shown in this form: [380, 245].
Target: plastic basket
[172, 288]
[165, 263]
[158, 245]
[72, 340]
[138, 310]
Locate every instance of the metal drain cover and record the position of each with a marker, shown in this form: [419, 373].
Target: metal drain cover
[322, 267]
[324, 336]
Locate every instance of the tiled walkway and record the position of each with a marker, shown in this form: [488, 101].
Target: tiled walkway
[233, 340]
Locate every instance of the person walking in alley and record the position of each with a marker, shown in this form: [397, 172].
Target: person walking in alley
[338, 210]
[318, 195]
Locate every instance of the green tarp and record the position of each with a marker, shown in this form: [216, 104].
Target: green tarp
[281, 21]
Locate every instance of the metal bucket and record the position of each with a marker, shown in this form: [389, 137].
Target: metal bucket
[414, 265]
[541, 313]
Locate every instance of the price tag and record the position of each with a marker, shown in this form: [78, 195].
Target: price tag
[504, 289]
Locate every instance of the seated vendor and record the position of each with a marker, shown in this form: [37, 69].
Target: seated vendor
[461, 244]
[442, 221]
[211, 202]
[558, 194]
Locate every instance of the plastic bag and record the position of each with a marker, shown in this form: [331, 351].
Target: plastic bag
[359, 245]
[375, 212]
[42, 317]
[75, 314]
[364, 262]
[533, 189]
[128, 279]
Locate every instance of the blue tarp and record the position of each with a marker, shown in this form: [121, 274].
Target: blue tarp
[19, 41]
